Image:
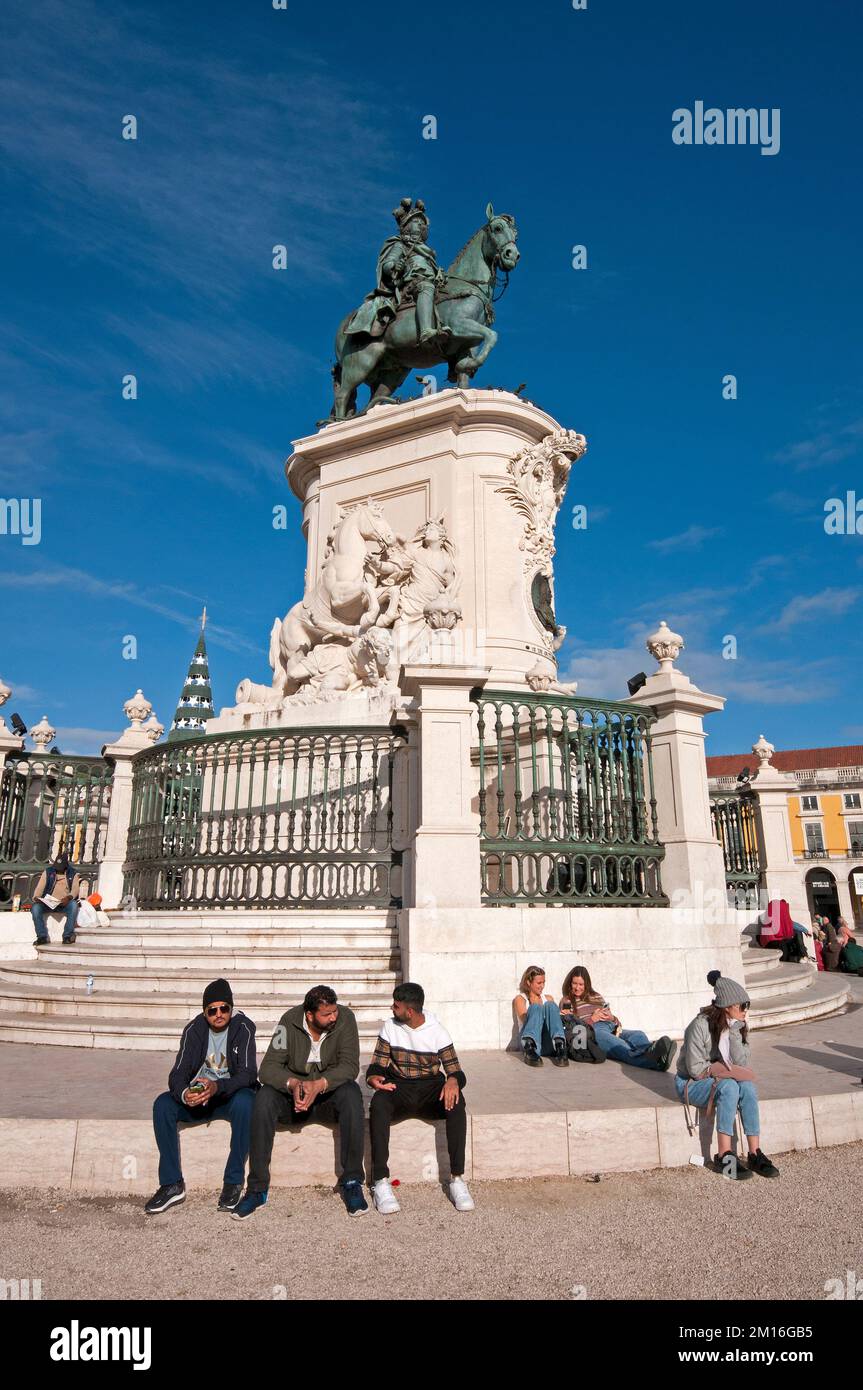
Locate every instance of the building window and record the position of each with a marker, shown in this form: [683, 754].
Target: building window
[809, 803]
[855, 836]
[814, 839]
[852, 801]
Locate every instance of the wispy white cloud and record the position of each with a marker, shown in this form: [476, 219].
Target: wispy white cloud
[79, 581]
[691, 539]
[826, 446]
[85, 742]
[829, 603]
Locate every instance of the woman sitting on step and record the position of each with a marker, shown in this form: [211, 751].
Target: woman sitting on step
[584, 1005]
[851, 958]
[713, 1071]
[778, 932]
[540, 1026]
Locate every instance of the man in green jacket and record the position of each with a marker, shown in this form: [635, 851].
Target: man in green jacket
[309, 1073]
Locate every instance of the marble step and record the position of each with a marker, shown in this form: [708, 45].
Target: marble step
[791, 979]
[308, 938]
[365, 977]
[825, 994]
[152, 1036]
[231, 919]
[265, 1009]
[100, 957]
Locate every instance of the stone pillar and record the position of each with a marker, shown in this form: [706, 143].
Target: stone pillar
[446, 865]
[137, 737]
[694, 863]
[781, 876]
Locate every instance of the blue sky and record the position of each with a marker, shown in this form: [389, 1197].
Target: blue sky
[304, 127]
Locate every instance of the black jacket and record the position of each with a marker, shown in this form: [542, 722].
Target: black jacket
[240, 1052]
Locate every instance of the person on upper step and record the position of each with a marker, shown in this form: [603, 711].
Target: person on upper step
[61, 885]
[215, 1076]
[713, 1072]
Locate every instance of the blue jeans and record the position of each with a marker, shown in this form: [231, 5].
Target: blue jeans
[39, 912]
[543, 1022]
[168, 1113]
[731, 1096]
[629, 1046]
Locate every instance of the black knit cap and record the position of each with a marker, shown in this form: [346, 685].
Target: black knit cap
[218, 990]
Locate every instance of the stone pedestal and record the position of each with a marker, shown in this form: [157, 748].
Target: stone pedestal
[448, 455]
[446, 863]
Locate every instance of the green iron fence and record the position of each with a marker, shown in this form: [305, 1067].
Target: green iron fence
[49, 803]
[299, 818]
[734, 826]
[566, 801]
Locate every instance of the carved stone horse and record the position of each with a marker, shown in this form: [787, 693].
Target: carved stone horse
[463, 306]
[344, 601]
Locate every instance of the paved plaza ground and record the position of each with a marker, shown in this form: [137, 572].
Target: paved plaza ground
[822, 1057]
[682, 1234]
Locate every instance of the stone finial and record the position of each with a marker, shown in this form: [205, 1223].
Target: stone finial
[665, 646]
[42, 734]
[136, 709]
[153, 729]
[763, 751]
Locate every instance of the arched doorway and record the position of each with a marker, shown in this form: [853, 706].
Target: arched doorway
[822, 894]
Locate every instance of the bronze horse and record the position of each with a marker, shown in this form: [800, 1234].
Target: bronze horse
[463, 304]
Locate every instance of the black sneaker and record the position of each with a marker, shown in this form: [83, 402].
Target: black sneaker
[231, 1194]
[727, 1166]
[531, 1056]
[558, 1056]
[760, 1163]
[353, 1198]
[40, 942]
[167, 1196]
[669, 1052]
[69, 940]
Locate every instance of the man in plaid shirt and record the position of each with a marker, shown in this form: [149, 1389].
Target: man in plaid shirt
[415, 1071]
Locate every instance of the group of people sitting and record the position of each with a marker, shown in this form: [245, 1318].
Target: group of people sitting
[310, 1069]
[582, 1027]
[309, 1073]
[834, 947]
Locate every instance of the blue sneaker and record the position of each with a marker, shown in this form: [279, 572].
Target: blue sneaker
[352, 1195]
[248, 1205]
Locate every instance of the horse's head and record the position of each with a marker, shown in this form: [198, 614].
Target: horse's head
[373, 525]
[500, 236]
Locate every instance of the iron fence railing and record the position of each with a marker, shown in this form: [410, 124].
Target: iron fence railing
[566, 801]
[734, 825]
[49, 803]
[297, 818]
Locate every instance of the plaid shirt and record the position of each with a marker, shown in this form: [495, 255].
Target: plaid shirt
[434, 1051]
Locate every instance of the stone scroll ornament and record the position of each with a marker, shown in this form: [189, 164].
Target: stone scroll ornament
[539, 475]
[377, 593]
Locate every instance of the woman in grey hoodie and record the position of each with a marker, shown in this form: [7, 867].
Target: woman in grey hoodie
[713, 1069]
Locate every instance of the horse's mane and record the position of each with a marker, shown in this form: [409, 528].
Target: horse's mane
[457, 257]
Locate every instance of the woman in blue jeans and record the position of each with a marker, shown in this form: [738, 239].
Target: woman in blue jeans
[540, 1025]
[714, 1070]
[583, 1004]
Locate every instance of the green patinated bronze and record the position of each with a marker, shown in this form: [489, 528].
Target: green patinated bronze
[419, 316]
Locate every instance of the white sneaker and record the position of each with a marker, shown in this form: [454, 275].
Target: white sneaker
[459, 1195]
[384, 1198]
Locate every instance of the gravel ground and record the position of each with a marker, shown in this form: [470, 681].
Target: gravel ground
[682, 1234]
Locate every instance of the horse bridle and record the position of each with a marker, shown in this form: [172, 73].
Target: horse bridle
[494, 283]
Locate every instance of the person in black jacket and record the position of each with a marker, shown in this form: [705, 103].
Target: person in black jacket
[215, 1076]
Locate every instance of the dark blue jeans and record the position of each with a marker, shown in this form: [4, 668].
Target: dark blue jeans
[39, 912]
[168, 1113]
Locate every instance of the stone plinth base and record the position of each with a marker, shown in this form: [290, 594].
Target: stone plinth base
[651, 964]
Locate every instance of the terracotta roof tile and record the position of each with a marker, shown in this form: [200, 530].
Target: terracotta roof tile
[788, 760]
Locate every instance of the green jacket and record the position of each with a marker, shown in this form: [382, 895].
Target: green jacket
[288, 1052]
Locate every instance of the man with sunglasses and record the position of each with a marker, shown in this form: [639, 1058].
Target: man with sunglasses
[215, 1076]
